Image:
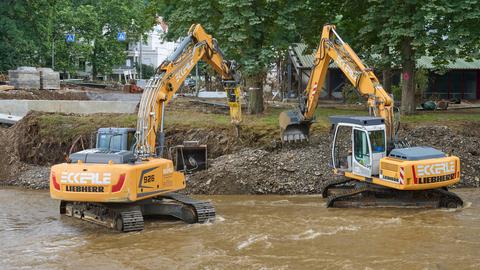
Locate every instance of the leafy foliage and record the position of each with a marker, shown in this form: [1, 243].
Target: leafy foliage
[30, 30]
[403, 31]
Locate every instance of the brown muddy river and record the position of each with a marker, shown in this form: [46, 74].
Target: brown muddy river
[251, 232]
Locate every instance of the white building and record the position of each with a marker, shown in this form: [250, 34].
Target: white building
[150, 52]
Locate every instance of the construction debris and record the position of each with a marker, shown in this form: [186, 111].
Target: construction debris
[7, 119]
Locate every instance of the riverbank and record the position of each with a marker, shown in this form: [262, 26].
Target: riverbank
[254, 163]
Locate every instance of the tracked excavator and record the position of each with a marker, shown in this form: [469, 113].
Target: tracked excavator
[125, 177]
[371, 166]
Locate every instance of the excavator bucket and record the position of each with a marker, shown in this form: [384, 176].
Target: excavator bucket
[293, 126]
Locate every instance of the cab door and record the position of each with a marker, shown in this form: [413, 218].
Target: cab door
[362, 153]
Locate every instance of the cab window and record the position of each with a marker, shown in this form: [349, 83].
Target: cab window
[361, 149]
[377, 139]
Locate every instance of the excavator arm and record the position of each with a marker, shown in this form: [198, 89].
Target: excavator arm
[295, 125]
[170, 75]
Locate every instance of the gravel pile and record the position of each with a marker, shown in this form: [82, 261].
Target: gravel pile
[296, 170]
[302, 169]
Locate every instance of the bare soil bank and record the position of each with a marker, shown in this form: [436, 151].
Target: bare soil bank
[255, 163]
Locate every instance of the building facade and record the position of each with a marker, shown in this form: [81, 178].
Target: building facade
[460, 80]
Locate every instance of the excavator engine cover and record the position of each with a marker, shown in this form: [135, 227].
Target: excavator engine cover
[191, 156]
[293, 126]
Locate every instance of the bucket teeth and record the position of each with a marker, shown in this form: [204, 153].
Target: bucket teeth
[294, 137]
[294, 127]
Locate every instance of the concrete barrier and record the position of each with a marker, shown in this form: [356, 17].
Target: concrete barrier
[22, 107]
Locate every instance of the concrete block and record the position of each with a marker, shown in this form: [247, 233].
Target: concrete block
[9, 119]
[49, 79]
[25, 78]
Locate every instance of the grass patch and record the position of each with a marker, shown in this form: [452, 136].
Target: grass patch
[70, 126]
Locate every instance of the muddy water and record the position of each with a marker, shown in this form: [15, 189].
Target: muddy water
[252, 232]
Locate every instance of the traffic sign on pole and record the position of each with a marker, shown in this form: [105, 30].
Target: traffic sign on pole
[70, 38]
[121, 36]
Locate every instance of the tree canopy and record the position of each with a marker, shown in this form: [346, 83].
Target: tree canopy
[30, 30]
[255, 33]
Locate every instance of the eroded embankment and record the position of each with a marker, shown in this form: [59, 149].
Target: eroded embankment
[30, 147]
[255, 163]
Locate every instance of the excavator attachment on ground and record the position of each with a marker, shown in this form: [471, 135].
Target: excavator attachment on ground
[373, 168]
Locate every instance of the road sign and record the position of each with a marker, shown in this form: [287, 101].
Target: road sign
[121, 36]
[70, 38]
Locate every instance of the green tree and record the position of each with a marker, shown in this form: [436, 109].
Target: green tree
[404, 31]
[31, 30]
[255, 33]
[97, 24]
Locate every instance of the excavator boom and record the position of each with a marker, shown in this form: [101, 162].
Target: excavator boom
[295, 124]
[198, 45]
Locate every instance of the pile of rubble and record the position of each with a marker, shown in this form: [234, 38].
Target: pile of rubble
[302, 169]
[292, 170]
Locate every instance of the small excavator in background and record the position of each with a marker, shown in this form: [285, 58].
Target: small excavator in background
[372, 167]
[125, 177]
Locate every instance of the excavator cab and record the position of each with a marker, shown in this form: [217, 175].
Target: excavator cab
[359, 142]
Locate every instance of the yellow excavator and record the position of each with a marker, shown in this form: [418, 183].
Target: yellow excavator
[372, 167]
[125, 177]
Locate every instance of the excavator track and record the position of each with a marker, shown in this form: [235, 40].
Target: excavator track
[331, 183]
[129, 221]
[120, 218]
[205, 211]
[371, 195]
[129, 217]
[332, 199]
[449, 199]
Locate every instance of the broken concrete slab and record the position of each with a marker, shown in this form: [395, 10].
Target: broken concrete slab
[6, 87]
[9, 119]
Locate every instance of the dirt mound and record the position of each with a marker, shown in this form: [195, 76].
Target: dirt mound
[302, 169]
[15, 172]
[293, 170]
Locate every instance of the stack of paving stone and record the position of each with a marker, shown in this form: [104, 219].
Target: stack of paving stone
[49, 79]
[30, 78]
[25, 78]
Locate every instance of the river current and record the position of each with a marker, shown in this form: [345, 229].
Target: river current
[251, 232]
